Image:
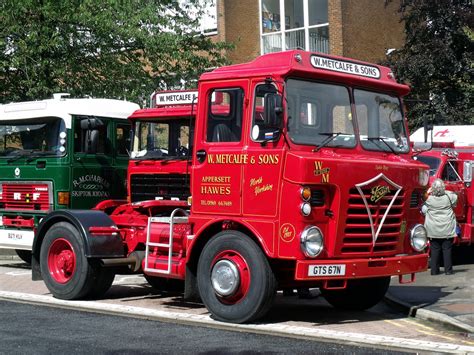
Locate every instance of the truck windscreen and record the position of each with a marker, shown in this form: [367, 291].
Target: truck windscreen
[317, 111]
[31, 137]
[161, 140]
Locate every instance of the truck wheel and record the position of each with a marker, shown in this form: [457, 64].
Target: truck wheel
[359, 294]
[67, 273]
[235, 280]
[24, 255]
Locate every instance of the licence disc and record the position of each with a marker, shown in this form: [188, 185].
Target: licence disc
[327, 270]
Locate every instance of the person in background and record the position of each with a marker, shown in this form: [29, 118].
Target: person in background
[440, 224]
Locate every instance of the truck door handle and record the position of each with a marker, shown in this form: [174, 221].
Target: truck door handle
[201, 155]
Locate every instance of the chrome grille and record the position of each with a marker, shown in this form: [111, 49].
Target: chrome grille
[358, 233]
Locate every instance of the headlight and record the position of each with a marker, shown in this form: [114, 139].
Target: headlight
[305, 209]
[418, 237]
[312, 241]
[423, 177]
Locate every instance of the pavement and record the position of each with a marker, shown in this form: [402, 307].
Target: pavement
[446, 299]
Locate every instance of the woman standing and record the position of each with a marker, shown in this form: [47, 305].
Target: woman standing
[440, 224]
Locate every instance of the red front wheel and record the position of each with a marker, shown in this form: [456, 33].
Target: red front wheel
[67, 273]
[235, 280]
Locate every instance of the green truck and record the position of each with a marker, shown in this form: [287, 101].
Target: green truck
[58, 153]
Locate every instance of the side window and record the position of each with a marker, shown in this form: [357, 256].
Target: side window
[90, 135]
[224, 120]
[122, 134]
[449, 171]
[258, 110]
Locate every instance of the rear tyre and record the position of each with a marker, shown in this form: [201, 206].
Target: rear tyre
[24, 255]
[67, 273]
[359, 294]
[235, 280]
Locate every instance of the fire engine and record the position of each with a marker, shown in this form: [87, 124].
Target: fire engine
[452, 160]
[55, 154]
[299, 174]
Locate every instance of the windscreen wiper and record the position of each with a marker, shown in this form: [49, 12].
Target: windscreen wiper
[19, 154]
[329, 139]
[36, 155]
[381, 139]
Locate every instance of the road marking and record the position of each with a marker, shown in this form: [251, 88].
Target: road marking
[269, 328]
[18, 273]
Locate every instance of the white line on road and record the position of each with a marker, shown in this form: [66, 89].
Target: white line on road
[270, 329]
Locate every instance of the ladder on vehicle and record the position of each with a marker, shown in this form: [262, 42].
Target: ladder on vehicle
[172, 220]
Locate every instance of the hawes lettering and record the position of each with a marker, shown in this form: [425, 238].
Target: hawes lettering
[342, 66]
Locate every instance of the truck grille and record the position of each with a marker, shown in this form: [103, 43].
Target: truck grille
[154, 186]
[26, 196]
[358, 236]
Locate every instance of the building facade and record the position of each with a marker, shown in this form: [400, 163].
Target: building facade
[360, 29]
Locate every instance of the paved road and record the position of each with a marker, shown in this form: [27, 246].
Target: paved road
[29, 329]
[308, 319]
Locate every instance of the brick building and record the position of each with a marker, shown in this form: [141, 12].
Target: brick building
[361, 29]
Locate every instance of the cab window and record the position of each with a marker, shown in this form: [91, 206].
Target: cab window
[224, 120]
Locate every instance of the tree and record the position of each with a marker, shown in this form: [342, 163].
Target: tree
[436, 61]
[107, 48]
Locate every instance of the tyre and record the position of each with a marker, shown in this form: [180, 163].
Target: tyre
[164, 284]
[24, 255]
[67, 273]
[359, 294]
[235, 280]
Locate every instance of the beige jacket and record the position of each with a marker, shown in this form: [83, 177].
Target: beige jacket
[440, 220]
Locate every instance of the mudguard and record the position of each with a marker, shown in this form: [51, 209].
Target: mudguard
[103, 245]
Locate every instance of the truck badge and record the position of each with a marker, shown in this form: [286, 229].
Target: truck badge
[377, 193]
[17, 172]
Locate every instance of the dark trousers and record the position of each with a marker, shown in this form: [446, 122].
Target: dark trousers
[437, 247]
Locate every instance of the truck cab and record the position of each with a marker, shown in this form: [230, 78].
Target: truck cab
[451, 159]
[301, 175]
[60, 153]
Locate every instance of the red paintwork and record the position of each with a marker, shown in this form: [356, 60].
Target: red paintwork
[464, 208]
[61, 260]
[272, 216]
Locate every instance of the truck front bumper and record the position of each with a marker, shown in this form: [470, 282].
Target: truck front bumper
[344, 269]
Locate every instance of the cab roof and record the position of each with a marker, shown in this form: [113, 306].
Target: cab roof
[315, 66]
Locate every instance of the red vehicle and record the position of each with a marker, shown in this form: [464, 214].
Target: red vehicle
[301, 175]
[452, 160]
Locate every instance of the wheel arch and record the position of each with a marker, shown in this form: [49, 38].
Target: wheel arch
[217, 226]
[96, 246]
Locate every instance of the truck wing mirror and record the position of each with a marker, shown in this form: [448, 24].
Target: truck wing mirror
[273, 110]
[467, 171]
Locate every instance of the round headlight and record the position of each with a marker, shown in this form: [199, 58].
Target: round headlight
[424, 177]
[312, 241]
[418, 237]
[305, 209]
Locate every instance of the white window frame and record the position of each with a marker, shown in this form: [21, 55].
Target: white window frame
[283, 29]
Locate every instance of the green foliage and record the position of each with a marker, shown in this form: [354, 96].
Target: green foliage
[437, 61]
[101, 48]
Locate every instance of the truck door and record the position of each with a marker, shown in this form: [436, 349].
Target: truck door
[219, 156]
[92, 166]
[452, 177]
[262, 176]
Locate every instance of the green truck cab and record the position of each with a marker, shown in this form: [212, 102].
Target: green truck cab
[55, 154]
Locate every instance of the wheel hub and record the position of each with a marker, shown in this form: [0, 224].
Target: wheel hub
[225, 277]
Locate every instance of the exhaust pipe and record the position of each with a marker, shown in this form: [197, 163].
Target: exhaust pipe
[133, 261]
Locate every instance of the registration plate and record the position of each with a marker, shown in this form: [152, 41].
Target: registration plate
[327, 270]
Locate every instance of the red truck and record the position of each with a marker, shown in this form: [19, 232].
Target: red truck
[299, 174]
[452, 160]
